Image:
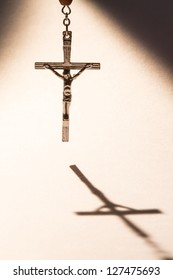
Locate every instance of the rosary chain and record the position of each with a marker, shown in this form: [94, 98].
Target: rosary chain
[66, 11]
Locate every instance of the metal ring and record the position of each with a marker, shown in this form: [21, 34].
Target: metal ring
[68, 12]
[66, 21]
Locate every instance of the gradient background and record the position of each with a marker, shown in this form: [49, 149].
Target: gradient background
[121, 130]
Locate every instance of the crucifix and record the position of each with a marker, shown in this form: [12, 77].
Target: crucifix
[66, 66]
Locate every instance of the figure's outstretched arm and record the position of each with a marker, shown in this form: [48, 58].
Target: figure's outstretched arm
[47, 66]
[88, 65]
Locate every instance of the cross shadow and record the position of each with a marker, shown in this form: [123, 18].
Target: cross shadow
[151, 22]
[110, 208]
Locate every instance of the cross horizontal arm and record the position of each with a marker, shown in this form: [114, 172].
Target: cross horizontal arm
[71, 66]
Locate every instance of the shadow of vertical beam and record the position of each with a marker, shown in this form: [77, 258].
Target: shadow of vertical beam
[112, 207]
[149, 21]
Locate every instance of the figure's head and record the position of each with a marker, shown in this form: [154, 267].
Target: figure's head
[66, 74]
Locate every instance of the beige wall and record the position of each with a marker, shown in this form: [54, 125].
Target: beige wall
[120, 137]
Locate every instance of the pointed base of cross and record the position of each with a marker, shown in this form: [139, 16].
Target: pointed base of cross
[65, 131]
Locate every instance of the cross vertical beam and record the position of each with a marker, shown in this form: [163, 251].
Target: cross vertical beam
[67, 38]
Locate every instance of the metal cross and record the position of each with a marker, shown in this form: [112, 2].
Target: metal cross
[66, 66]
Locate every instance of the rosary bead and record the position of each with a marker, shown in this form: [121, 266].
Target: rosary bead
[65, 2]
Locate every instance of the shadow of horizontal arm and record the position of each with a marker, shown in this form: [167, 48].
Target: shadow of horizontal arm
[119, 213]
